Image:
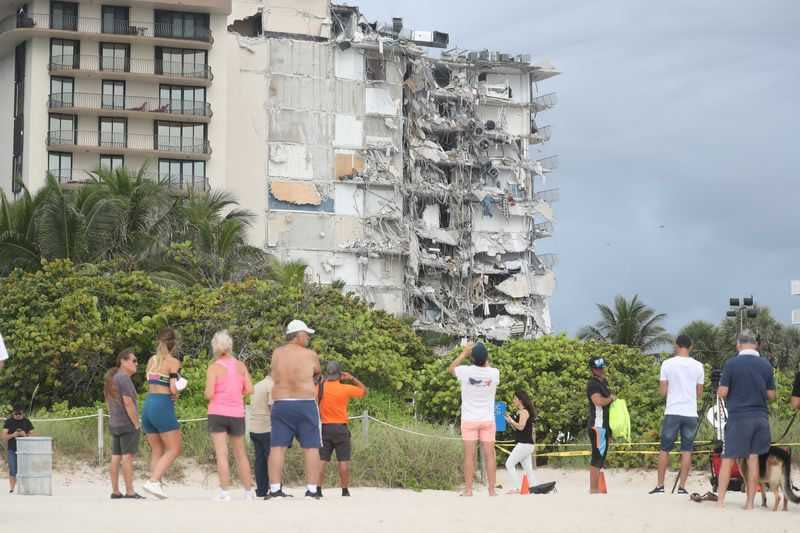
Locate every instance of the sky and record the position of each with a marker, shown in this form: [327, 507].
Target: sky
[679, 175]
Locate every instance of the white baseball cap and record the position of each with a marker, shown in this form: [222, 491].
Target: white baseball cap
[296, 326]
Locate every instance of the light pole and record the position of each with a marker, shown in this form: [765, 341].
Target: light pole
[741, 306]
[795, 288]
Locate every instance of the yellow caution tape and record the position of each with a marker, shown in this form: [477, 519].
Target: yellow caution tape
[586, 453]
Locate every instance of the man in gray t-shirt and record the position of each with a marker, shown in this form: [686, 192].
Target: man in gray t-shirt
[123, 423]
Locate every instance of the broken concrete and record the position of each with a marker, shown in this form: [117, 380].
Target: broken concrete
[405, 176]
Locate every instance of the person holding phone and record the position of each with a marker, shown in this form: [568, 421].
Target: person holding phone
[14, 427]
[522, 424]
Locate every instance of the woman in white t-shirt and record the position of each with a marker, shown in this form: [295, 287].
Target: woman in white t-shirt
[478, 386]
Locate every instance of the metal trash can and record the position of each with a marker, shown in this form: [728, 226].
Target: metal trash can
[35, 466]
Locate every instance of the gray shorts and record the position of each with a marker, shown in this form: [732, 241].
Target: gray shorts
[335, 437]
[745, 436]
[126, 443]
[233, 426]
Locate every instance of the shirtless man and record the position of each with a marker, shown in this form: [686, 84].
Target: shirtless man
[295, 371]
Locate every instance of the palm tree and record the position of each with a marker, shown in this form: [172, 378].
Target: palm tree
[209, 245]
[19, 246]
[60, 226]
[706, 342]
[631, 323]
[127, 214]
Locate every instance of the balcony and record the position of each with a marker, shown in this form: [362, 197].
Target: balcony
[544, 102]
[16, 28]
[148, 107]
[132, 144]
[74, 177]
[539, 134]
[134, 69]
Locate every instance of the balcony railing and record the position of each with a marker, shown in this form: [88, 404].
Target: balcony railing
[97, 26]
[174, 69]
[132, 141]
[540, 134]
[148, 104]
[193, 183]
[544, 102]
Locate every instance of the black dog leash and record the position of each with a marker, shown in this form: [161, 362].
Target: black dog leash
[786, 432]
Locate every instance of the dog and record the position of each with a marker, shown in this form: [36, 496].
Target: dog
[774, 473]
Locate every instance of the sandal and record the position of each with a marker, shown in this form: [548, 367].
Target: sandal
[707, 497]
[116, 496]
[682, 491]
[657, 490]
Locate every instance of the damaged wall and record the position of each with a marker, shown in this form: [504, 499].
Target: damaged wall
[406, 177]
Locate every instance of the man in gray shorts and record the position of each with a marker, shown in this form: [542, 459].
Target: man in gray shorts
[123, 423]
[747, 384]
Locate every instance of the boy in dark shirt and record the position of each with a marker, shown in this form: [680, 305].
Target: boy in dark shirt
[15, 426]
[599, 397]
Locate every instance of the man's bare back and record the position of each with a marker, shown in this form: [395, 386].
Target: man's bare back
[293, 372]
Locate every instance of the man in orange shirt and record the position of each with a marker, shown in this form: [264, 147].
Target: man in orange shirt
[333, 399]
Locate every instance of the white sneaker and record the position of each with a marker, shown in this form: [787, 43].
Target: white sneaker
[223, 496]
[249, 495]
[155, 488]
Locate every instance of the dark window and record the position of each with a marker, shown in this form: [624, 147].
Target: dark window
[115, 57]
[62, 129]
[176, 25]
[19, 117]
[375, 68]
[64, 53]
[62, 92]
[64, 16]
[180, 137]
[182, 100]
[59, 164]
[182, 62]
[115, 20]
[113, 132]
[113, 94]
[111, 162]
[179, 173]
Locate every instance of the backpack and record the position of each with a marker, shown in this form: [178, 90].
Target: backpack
[619, 420]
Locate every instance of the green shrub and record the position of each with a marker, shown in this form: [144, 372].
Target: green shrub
[63, 326]
[554, 371]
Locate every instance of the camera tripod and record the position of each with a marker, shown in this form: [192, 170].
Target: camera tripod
[718, 421]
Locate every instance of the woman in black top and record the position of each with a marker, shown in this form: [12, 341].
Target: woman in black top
[522, 424]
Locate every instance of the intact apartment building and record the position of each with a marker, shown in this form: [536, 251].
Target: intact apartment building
[88, 84]
[375, 153]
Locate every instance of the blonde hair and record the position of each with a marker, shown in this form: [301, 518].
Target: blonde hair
[222, 343]
[167, 342]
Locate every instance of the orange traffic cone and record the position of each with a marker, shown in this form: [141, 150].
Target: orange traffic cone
[524, 489]
[601, 483]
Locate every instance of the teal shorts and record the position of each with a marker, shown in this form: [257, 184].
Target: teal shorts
[158, 414]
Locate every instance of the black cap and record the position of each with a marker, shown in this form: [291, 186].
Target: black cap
[597, 362]
[479, 354]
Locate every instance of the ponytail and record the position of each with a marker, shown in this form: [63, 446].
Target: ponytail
[167, 342]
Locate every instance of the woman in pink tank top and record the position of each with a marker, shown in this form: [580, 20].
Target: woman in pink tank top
[227, 383]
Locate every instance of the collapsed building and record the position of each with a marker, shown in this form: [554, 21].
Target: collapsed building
[409, 178]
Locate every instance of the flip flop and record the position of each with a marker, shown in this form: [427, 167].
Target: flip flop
[695, 497]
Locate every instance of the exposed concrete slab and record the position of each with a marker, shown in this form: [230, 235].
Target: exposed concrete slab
[349, 131]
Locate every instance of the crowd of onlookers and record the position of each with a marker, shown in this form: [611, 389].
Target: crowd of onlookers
[299, 402]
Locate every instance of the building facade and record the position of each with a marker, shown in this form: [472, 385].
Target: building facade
[413, 180]
[416, 181]
[102, 84]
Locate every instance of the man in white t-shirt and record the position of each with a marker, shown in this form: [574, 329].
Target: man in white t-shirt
[3, 353]
[682, 383]
[478, 386]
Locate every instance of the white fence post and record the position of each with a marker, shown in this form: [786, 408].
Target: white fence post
[100, 436]
[365, 426]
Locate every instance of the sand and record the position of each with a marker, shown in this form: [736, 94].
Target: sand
[81, 504]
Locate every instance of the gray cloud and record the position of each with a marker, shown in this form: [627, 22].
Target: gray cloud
[678, 114]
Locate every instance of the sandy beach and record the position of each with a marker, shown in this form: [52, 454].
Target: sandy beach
[81, 503]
